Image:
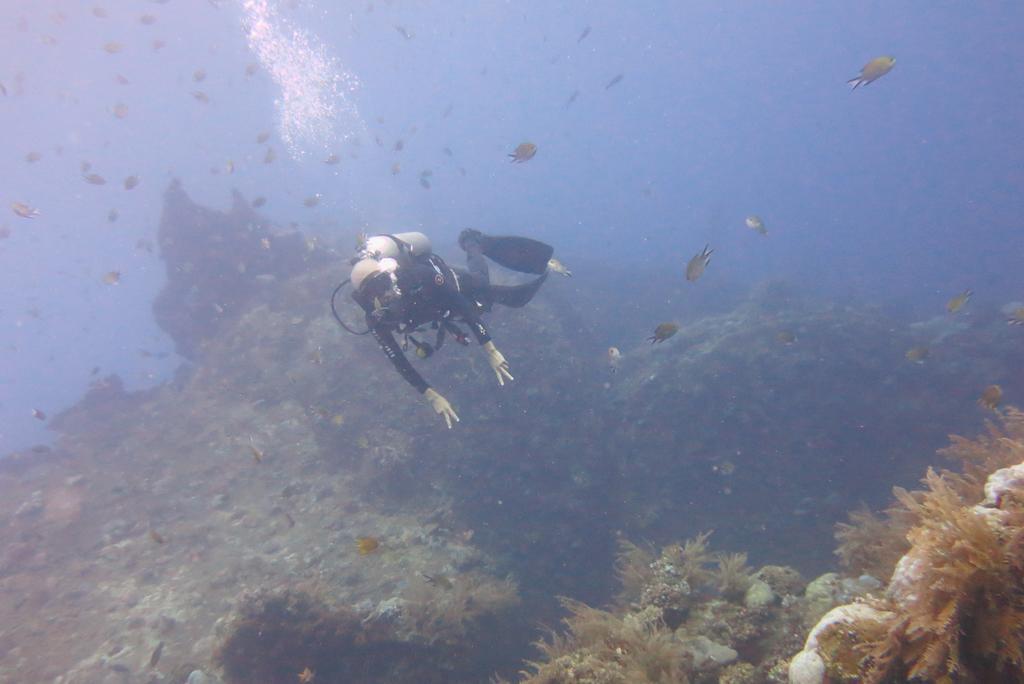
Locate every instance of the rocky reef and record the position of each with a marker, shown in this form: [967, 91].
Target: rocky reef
[217, 263]
[165, 528]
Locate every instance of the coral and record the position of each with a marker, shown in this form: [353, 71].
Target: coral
[603, 648]
[954, 608]
[733, 576]
[445, 614]
[870, 543]
[633, 568]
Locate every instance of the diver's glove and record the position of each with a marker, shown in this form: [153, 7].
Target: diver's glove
[498, 363]
[441, 406]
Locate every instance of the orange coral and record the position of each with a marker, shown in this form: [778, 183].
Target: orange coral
[957, 596]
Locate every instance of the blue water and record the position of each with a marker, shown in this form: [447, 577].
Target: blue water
[900, 194]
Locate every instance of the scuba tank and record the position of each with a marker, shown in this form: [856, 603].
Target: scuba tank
[397, 246]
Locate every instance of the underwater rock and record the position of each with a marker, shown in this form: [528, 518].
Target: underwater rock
[759, 594]
[708, 655]
[217, 263]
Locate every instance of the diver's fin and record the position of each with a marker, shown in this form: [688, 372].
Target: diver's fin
[517, 253]
[515, 296]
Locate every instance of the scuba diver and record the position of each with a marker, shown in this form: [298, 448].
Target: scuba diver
[404, 288]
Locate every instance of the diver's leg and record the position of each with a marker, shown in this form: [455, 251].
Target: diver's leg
[470, 240]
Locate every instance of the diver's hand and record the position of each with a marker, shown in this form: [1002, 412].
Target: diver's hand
[498, 363]
[441, 407]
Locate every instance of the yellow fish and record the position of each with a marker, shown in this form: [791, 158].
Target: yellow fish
[1016, 316]
[663, 332]
[755, 223]
[524, 152]
[698, 263]
[957, 303]
[872, 71]
[917, 354]
[991, 397]
[367, 545]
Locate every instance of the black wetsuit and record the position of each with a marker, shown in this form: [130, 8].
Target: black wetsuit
[431, 291]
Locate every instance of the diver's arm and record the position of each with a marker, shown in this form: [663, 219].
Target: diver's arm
[394, 353]
[494, 357]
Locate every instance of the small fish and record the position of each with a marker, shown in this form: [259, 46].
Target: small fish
[695, 268]
[958, 302]
[47, 40]
[113, 215]
[990, 397]
[229, 167]
[94, 179]
[85, 166]
[311, 201]
[614, 356]
[131, 182]
[112, 48]
[332, 159]
[615, 81]
[663, 332]
[157, 537]
[33, 157]
[1016, 316]
[120, 110]
[198, 75]
[251, 68]
[399, 145]
[785, 337]
[201, 97]
[270, 156]
[147, 20]
[264, 243]
[403, 32]
[755, 223]
[584, 34]
[448, 152]
[157, 652]
[337, 420]
[289, 519]
[439, 581]
[367, 545]
[257, 454]
[872, 71]
[448, 110]
[424, 183]
[306, 676]
[23, 210]
[263, 137]
[121, 79]
[259, 202]
[917, 354]
[558, 267]
[38, 415]
[111, 278]
[524, 152]
[572, 98]
[158, 45]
